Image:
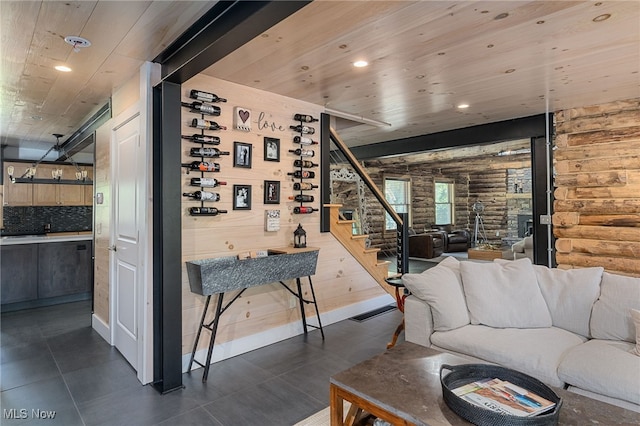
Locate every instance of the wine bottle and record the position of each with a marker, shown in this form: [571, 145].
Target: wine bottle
[304, 163]
[304, 210]
[304, 118]
[205, 96]
[304, 141]
[205, 139]
[304, 174]
[205, 211]
[303, 129]
[206, 182]
[207, 152]
[202, 108]
[303, 186]
[203, 195]
[203, 166]
[200, 123]
[302, 198]
[303, 152]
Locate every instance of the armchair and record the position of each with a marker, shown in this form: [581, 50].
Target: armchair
[427, 245]
[455, 239]
[523, 248]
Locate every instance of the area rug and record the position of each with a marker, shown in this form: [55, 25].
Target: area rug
[322, 417]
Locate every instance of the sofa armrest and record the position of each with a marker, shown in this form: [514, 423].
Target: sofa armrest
[418, 321]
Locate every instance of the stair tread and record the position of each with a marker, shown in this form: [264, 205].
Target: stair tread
[371, 250]
[384, 262]
[359, 237]
[346, 221]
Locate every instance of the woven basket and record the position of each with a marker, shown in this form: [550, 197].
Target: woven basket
[463, 374]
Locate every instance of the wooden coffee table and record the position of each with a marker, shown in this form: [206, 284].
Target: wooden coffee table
[484, 254]
[402, 386]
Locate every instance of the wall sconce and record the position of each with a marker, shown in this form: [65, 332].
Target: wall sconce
[10, 170]
[299, 237]
[56, 174]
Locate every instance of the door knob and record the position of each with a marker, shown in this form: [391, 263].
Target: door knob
[113, 248]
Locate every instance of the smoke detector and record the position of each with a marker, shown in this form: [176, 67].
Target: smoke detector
[77, 42]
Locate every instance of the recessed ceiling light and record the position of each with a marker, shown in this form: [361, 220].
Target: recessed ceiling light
[463, 106]
[62, 68]
[360, 64]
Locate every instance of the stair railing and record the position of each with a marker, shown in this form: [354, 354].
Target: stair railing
[400, 219]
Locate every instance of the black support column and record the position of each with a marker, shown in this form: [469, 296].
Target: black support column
[325, 172]
[541, 171]
[167, 237]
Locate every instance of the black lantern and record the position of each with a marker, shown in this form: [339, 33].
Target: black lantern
[299, 237]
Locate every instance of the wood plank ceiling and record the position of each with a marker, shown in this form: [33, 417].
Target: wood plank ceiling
[35, 99]
[506, 59]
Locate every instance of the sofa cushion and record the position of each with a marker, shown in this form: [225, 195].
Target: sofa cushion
[611, 316]
[441, 289]
[504, 294]
[570, 295]
[533, 351]
[605, 367]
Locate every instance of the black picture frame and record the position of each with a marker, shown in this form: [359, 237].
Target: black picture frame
[271, 149]
[272, 192]
[242, 155]
[241, 197]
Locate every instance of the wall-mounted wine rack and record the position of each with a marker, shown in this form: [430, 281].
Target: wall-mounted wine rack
[202, 104]
[303, 164]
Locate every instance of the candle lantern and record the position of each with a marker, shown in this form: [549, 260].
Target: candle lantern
[299, 237]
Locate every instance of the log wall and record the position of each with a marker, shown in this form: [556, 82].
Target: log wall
[597, 187]
[478, 176]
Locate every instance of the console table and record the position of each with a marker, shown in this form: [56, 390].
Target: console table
[220, 275]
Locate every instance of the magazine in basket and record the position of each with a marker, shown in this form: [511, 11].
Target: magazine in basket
[503, 397]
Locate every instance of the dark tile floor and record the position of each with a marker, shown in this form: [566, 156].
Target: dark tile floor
[52, 361]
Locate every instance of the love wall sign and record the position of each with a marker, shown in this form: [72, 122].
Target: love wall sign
[242, 119]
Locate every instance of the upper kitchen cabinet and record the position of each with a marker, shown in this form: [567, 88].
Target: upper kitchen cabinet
[17, 194]
[57, 194]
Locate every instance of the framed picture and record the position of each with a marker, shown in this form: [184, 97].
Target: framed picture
[242, 154]
[242, 197]
[271, 149]
[272, 192]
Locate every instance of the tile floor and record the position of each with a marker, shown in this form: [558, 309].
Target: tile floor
[51, 360]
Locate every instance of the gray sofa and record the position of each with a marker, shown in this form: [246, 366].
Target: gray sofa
[575, 328]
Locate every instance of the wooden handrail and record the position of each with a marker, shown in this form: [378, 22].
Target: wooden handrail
[353, 161]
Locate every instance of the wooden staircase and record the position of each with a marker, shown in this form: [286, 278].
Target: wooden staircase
[355, 244]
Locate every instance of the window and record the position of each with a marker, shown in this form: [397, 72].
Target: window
[444, 203]
[397, 191]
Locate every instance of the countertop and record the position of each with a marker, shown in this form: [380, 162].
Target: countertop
[46, 238]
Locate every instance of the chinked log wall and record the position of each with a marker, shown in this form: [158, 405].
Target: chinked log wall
[597, 209]
[482, 177]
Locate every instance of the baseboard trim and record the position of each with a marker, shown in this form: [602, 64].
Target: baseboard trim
[101, 327]
[242, 345]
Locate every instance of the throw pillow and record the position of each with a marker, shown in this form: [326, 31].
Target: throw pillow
[570, 295]
[504, 294]
[635, 315]
[441, 289]
[610, 318]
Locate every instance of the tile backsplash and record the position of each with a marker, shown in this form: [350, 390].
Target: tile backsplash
[33, 219]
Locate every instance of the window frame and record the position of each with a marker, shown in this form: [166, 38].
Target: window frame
[452, 198]
[408, 204]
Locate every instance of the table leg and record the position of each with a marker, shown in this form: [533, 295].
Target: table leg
[336, 406]
[400, 328]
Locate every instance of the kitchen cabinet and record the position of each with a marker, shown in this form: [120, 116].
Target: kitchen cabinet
[34, 273]
[64, 268]
[19, 273]
[17, 194]
[55, 194]
[88, 189]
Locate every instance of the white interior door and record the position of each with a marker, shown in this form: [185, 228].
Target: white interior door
[126, 239]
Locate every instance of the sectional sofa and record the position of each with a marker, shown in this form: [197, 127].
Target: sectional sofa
[578, 329]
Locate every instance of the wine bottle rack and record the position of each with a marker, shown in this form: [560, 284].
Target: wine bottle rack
[206, 111]
[303, 164]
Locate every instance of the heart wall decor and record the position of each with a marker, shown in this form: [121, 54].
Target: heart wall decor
[242, 119]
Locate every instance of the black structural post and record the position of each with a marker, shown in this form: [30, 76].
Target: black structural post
[325, 172]
[403, 244]
[167, 237]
